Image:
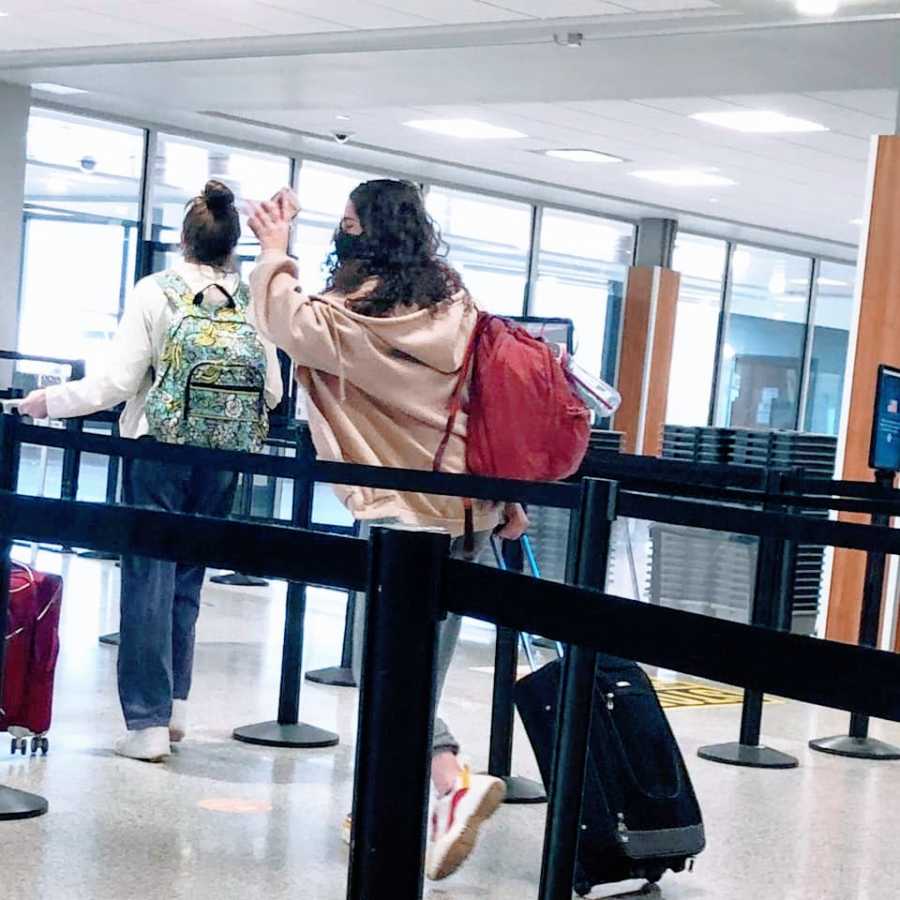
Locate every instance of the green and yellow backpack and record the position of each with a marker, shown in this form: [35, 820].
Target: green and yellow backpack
[210, 387]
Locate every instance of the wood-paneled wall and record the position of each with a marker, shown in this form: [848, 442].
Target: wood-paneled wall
[648, 332]
[877, 341]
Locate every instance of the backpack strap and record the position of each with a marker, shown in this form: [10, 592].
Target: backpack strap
[177, 290]
[456, 397]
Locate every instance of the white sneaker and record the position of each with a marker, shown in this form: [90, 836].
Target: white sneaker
[456, 819]
[146, 744]
[178, 722]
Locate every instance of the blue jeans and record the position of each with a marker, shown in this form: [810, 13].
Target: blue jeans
[160, 600]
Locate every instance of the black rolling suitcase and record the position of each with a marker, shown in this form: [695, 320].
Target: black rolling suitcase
[640, 816]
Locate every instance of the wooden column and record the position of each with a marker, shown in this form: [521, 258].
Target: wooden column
[877, 341]
[648, 330]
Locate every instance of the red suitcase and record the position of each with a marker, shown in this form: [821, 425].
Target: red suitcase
[32, 648]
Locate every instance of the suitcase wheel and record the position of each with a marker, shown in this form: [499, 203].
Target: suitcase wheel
[45, 746]
[19, 744]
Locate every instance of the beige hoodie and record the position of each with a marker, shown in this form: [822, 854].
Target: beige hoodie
[378, 388]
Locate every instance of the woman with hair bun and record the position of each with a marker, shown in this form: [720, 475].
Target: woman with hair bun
[194, 313]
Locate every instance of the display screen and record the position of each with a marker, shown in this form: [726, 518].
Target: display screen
[553, 331]
[885, 449]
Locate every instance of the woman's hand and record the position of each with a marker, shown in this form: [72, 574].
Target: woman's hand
[270, 225]
[516, 523]
[35, 405]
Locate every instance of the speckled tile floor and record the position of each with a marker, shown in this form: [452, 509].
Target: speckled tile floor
[224, 820]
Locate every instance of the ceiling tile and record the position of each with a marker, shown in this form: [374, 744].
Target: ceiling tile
[556, 9]
[452, 12]
[355, 13]
[664, 6]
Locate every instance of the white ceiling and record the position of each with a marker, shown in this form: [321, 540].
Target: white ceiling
[283, 70]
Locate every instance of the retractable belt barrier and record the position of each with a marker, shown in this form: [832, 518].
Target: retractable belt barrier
[418, 584]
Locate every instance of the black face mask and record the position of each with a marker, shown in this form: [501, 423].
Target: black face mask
[352, 246]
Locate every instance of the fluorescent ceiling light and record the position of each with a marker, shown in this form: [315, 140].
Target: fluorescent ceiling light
[758, 121]
[50, 88]
[684, 178]
[831, 282]
[584, 156]
[468, 129]
[817, 7]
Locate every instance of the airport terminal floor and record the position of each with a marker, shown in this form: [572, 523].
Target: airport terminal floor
[227, 820]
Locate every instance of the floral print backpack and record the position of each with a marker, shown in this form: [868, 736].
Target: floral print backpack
[210, 387]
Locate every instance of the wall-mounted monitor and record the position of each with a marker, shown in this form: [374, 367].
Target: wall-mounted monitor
[884, 451]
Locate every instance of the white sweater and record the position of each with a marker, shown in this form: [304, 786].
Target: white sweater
[134, 353]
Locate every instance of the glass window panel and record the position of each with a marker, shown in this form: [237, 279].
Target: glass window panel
[834, 298]
[324, 191]
[762, 352]
[582, 265]
[82, 200]
[490, 242]
[701, 262]
[182, 168]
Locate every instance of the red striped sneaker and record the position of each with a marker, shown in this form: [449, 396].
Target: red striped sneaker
[456, 819]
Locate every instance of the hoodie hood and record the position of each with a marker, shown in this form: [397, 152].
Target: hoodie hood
[437, 336]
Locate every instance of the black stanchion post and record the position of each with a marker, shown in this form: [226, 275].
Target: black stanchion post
[857, 743]
[342, 675]
[71, 463]
[506, 664]
[112, 491]
[288, 730]
[773, 587]
[588, 568]
[396, 713]
[238, 579]
[13, 804]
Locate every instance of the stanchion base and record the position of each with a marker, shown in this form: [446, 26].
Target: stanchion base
[857, 748]
[97, 554]
[274, 734]
[238, 580]
[744, 755]
[111, 639]
[523, 790]
[20, 805]
[334, 676]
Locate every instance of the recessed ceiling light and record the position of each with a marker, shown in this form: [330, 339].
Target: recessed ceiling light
[684, 178]
[817, 7]
[584, 156]
[856, 221]
[3, 15]
[758, 121]
[714, 200]
[468, 129]
[48, 87]
[341, 117]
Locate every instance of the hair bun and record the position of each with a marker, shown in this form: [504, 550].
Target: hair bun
[219, 198]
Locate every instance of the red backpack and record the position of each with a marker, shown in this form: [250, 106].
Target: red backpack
[526, 418]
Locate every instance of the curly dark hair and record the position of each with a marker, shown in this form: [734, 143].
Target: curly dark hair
[406, 257]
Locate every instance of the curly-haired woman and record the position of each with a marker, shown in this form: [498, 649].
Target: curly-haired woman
[379, 354]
